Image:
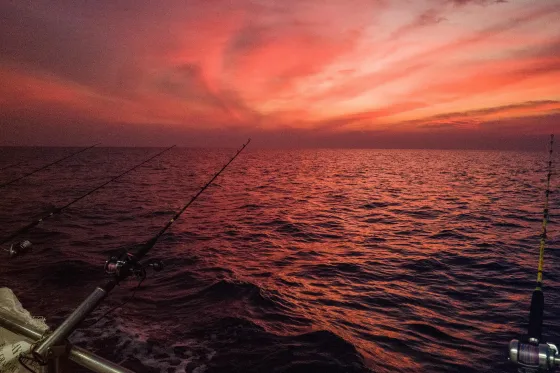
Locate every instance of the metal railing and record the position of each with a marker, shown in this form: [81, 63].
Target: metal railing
[76, 354]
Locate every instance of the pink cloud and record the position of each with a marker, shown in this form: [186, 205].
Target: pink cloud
[327, 67]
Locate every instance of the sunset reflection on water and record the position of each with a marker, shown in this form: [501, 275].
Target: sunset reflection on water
[422, 260]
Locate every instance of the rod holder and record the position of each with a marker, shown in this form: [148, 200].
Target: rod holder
[43, 350]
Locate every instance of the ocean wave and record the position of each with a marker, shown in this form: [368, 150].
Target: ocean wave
[286, 267]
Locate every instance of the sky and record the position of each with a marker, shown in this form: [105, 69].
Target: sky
[291, 73]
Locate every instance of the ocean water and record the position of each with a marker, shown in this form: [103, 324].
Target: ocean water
[294, 260]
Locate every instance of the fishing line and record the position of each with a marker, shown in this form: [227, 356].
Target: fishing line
[19, 248]
[127, 263]
[45, 166]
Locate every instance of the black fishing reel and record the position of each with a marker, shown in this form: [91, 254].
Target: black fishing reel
[531, 356]
[19, 248]
[126, 264]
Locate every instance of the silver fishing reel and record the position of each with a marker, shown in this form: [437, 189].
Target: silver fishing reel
[20, 248]
[532, 358]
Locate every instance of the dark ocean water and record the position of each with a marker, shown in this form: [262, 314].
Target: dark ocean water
[293, 261]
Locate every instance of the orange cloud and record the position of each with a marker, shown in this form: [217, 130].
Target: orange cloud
[333, 67]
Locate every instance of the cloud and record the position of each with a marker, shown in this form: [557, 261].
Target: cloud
[534, 105]
[329, 67]
[501, 118]
[429, 17]
[57, 47]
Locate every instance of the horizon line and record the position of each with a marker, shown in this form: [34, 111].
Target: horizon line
[282, 147]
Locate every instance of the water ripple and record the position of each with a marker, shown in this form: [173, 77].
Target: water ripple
[294, 261]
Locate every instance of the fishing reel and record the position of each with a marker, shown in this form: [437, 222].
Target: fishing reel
[19, 248]
[126, 264]
[531, 356]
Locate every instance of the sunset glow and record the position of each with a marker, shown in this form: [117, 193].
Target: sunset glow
[121, 71]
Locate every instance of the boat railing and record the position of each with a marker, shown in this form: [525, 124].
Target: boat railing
[68, 351]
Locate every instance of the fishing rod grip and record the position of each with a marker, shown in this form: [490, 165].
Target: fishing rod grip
[536, 315]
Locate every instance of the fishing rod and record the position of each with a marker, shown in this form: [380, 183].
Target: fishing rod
[119, 267]
[530, 353]
[44, 167]
[24, 246]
